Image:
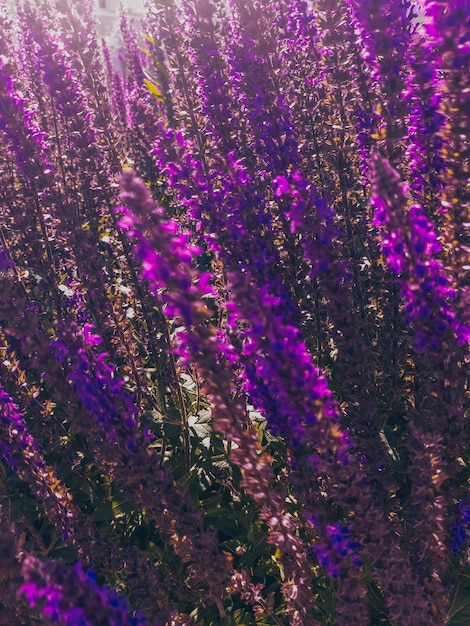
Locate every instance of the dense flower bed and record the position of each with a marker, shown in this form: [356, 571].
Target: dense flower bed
[234, 314]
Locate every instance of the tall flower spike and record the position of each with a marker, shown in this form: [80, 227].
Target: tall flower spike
[166, 257]
[21, 452]
[28, 147]
[448, 30]
[411, 247]
[386, 32]
[423, 122]
[133, 54]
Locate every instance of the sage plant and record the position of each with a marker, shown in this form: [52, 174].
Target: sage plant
[234, 314]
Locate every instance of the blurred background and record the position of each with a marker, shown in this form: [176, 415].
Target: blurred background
[108, 14]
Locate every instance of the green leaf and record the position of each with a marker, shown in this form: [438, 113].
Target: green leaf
[243, 618]
[200, 425]
[459, 612]
[154, 90]
[253, 553]
[64, 554]
[154, 421]
[172, 431]
[103, 513]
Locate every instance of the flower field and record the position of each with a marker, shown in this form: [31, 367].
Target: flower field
[235, 314]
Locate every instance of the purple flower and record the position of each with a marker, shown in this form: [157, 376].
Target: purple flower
[22, 453]
[70, 596]
[410, 245]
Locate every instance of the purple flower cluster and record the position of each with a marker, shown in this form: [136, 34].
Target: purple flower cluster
[460, 528]
[100, 392]
[343, 545]
[411, 246]
[21, 452]
[72, 597]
